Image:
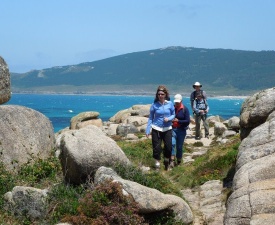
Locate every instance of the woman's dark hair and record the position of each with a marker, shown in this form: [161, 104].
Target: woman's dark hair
[163, 89]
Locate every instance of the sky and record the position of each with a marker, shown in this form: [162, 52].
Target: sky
[39, 34]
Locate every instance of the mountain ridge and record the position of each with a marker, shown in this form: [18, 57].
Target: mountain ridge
[221, 71]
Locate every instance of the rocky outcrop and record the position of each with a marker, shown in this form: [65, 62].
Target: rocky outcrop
[135, 110]
[83, 151]
[149, 200]
[5, 92]
[219, 128]
[234, 123]
[256, 109]
[128, 121]
[84, 119]
[253, 190]
[25, 135]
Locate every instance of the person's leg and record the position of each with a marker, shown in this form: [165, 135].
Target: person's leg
[198, 125]
[206, 126]
[167, 138]
[181, 134]
[173, 153]
[156, 143]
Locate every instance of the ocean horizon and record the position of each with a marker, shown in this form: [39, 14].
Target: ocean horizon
[60, 108]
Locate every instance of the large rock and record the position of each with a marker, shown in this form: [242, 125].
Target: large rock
[149, 200]
[260, 143]
[234, 123]
[124, 129]
[219, 128]
[135, 110]
[27, 202]
[83, 151]
[253, 197]
[25, 135]
[84, 119]
[256, 109]
[5, 92]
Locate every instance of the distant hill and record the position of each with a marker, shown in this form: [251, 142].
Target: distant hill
[221, 71]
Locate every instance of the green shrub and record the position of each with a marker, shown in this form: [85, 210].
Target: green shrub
[63, 200]
[7, 182]
[198, 144]
[39, 170]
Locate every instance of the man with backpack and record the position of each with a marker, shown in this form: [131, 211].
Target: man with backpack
[201, 108]
[197, 86]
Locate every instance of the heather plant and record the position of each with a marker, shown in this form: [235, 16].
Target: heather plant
[106, 204]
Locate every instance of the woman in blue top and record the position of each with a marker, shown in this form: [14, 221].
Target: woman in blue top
[162, 112]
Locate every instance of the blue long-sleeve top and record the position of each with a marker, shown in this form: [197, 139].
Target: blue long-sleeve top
[158, 112]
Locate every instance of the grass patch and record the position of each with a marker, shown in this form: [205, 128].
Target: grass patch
[152, 179]
[140, 152]
[217, 164]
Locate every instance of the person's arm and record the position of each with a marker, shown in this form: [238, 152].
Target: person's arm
[197, 111]
[186, 118]
[172, 113]
[150, 120]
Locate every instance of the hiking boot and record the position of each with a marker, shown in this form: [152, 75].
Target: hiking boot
[207, 136]
[197, 138]
[166, 163]
[178, 162]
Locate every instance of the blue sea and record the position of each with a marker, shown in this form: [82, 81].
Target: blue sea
[61, 108]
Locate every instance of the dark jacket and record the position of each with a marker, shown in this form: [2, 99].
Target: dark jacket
[183, 117]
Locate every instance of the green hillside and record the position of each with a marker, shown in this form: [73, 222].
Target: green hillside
[219, 70]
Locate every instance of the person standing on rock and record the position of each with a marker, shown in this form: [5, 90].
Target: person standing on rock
[162, 112]
[180, 125]
[201, 108]
[197, 86]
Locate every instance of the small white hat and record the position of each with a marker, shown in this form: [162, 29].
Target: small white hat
[177, 98]
[197, 84]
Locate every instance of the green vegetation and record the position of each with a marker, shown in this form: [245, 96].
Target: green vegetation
[105, 204]
[218, 163]
[221, 71]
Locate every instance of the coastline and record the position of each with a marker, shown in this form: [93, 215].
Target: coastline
[127, 94]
